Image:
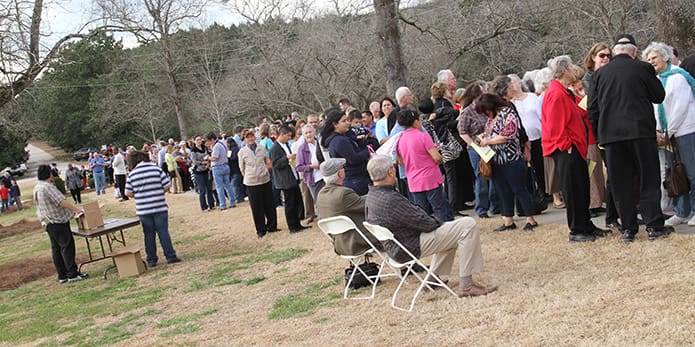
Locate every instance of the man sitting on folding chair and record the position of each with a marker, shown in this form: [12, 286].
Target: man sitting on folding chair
[422, 234]
[335, 200]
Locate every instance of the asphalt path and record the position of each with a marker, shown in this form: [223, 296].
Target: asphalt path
[37, 156]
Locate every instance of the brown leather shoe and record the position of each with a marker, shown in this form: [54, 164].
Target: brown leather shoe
[475, 290]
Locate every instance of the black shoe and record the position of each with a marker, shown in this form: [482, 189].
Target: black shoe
[483, 215]
[628, 236]
[582, 238]
[506, 227]
[656, 233]
[597, 210]
[151, 264]
[301, 228]
[458, 213]
[601, 233]
[260, 235]
[529, 226]
[669, 229]
[273, 230]
[174, 261]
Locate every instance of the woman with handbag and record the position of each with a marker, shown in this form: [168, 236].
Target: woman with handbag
[508, 164]
[470, 125]
[444, 119]
[675, 119]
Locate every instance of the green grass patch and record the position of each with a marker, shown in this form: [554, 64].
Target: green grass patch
[191, 239]
[8, 219]
[223, 274]
[253, 280]
[41, 309]
[180, 330]
[281, 270]
[298, 305]
[182, 324]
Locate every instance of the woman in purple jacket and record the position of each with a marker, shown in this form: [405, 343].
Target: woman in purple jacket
[308, 164]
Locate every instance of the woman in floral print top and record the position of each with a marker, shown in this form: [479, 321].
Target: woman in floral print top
[508, 164]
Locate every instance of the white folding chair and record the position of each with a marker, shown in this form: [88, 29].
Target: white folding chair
[430, 279]
[340, 224]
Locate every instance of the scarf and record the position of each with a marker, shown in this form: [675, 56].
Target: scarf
[671, 70]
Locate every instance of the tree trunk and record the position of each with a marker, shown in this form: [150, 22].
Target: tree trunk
[389, 38]
[676, 24]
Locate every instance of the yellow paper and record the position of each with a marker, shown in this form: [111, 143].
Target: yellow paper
[486, 153]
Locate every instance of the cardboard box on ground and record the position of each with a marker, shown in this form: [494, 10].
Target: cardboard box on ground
[128, 261]
[91, 218]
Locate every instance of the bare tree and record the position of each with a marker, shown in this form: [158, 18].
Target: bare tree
[676, 24]
[389, 37]
[157, 21]
[23, 56]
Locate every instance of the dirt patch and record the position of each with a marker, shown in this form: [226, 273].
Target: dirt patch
[13, 275]
[18, 228]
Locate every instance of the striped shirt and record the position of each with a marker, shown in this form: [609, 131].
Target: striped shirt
[147, 182]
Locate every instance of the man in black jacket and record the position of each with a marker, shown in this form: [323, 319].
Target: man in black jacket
[622, 116]
[286, 178]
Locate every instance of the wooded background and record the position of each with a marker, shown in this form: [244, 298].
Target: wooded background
[86, 89]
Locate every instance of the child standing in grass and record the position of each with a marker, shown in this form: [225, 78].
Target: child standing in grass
[5, 195]
[15, 194]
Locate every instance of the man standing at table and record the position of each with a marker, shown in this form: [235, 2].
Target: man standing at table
[147, 183]
[54, 213]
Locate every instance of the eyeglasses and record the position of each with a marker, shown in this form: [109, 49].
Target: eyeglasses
[604, 55]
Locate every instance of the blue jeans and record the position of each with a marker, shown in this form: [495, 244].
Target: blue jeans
[486, 198]
[100, 182]
[434, 200]
[223, 183]
[205, 196]
[359, 184]
[157, 224]
[686, 202]
[236, 180]
[510, 180]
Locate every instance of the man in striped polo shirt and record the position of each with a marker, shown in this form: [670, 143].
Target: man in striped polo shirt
[147, 183]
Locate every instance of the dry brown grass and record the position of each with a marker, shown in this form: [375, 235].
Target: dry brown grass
[551, 292]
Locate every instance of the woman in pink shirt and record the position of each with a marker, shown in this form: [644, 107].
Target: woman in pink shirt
[421, 158]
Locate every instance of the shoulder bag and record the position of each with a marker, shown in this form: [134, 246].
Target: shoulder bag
[676, 180]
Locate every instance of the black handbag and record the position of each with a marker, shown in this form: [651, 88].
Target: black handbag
[359, 281]
[538, 201]
[676, 180]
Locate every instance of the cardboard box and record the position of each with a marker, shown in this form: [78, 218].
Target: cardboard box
[91, 218]
[128, 261]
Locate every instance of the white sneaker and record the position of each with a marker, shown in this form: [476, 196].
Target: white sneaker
[675, 220]
[691, 222]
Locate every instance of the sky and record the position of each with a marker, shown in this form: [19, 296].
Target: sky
[62, 17]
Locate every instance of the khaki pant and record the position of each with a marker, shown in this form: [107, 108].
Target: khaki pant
[463, 235]
[307, 199]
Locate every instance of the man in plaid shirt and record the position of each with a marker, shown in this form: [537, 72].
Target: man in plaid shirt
[54, 213]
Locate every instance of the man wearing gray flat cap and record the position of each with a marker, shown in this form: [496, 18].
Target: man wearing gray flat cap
[336, 200]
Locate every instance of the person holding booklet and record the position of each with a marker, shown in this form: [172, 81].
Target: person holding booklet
[472, 124]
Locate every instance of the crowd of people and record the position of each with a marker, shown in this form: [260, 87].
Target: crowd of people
[413, 166]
